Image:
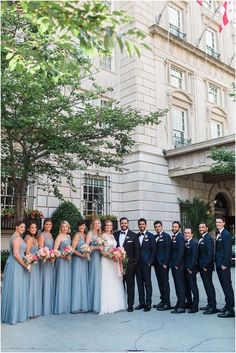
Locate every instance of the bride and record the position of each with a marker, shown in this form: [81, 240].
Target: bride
[112, 288]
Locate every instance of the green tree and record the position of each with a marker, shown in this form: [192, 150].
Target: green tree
[58, 29]
[44, 129]
[67, 211]
[195, 212]
[225, 161]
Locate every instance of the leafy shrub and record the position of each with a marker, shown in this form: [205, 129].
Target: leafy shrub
[67, 211]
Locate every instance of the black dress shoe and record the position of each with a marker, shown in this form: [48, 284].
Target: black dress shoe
[227, 313]
[210, 311]
[191, 311]
[164, 307]
[140, 306]
[223, 310]
[158, 305]
[130, 309]
[205, 307]
[147, 308]
[178, 311]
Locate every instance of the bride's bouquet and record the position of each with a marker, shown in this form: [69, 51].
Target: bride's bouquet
[67, 252]
[86, 249]
[119, 255]
[43, 254]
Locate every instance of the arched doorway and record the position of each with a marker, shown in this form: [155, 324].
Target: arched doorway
[222, 208]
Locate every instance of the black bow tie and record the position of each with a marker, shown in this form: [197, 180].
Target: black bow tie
[217, 232]
[122, 232]
[141, 234]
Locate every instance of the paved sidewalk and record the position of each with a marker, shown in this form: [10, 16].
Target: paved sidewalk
[126, 332]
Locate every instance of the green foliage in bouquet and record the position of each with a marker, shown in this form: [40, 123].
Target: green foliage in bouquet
[67, 211]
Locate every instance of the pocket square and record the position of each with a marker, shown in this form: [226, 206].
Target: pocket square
[130, 241]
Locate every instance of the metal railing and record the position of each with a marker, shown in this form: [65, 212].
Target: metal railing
[210, 51]
[177, 32]
[180, 141]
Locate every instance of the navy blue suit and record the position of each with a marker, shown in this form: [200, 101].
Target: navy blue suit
[223, 256]
[177, 260]
[205, 261]
[143, 273]
[163, 249]
[131, 246]
[191, 256]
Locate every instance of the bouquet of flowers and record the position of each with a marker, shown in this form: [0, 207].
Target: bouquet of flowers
[86, 249]
[100, 242]
[54, 254]
[67, 252]
[44, 254]
[119, 255]
[29, 260]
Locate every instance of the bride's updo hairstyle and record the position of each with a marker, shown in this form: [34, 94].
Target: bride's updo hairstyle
[104, 225]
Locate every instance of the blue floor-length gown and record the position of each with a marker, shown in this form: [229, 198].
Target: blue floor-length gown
[48, 280]
[15, 289]
[79, 287]
[62, 303]
[35, 287]
[94, 281]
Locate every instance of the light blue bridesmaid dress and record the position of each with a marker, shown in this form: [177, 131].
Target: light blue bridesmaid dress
[35, 287]
[15, 289]
[94, 280]
[79, 287]
[48, 281]
[63, 282]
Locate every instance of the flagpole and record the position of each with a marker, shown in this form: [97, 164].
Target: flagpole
[158, 18]
[209, 22]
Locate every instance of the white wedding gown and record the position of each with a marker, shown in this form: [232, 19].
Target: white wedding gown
[113, 296]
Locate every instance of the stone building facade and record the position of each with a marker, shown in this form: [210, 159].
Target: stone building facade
[190, 71]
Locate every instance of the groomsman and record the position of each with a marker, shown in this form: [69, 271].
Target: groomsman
[191, 255]
[146, 258]
[206, 267]
[223, 256]
[130, 242]
[177, 266]
[161, 265]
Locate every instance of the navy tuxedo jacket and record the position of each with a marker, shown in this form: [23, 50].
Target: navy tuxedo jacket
[206, 252]
[147, 249]
[177, 250]
[163, 249]
[191, 255]
[131, 245]
[223, 251]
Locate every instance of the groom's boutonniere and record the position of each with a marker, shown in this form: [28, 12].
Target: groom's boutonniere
[127, 237]
[145, 236]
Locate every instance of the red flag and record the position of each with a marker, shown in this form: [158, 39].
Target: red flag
[200, 2]
[228, 14]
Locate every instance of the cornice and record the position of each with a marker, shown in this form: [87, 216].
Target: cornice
[155, 29]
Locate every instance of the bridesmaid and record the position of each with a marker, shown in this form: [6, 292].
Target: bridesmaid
[79, 295]
[16, 280]
[94, 267]
[62, 304]
[35, 278]
[45, 239]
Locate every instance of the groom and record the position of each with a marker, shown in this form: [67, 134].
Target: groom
[130, 242]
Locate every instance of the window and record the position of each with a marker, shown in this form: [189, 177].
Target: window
[96, 194]
[106, 62]
[179, 121]
[211, 43]
[7, 194]
[213, 94]
[176, 22]
[216, 129]
[177, 77]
